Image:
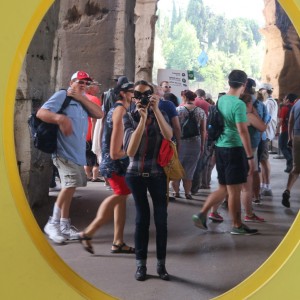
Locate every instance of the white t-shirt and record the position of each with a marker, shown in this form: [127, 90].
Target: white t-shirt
[272, 109]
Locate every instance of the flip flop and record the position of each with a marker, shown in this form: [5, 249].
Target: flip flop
[86, 242]
[120, 249]
[96, 180]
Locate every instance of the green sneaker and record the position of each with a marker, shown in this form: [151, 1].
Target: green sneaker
[200, 221]
[243, 230]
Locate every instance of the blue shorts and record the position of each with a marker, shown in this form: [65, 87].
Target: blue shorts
[232, 165]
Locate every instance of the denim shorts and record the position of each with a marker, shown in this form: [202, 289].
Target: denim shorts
[232, 165]
[71, 174]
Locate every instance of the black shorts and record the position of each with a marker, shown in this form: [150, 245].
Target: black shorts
[91, 159]
[232, 165]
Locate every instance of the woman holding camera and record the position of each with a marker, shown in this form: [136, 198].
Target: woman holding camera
[145, 129]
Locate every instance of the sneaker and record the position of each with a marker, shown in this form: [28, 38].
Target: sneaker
[200, 220]
[289, 168]
[225, 204]
[55, 188]
[253, 218]
[267, 192]
[286, 198]
[52, 229]
[108, 187]
[243, 230]
[257, 202]
[216, 217]
[69, 231]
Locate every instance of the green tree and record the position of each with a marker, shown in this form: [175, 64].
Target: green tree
[182, 51]
[229, 43]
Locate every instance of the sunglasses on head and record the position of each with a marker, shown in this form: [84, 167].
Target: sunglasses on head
[127, 85]
[83, 82]
[139, 95]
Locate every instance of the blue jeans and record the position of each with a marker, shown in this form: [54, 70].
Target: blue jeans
[286, 151]
[157, 187]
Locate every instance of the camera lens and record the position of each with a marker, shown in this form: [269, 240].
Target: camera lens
[145, 101]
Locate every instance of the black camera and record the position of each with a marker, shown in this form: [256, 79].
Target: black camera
[145, 100]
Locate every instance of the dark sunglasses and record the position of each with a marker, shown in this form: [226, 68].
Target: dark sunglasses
[139, 95]
[167, 86]
[83, 82]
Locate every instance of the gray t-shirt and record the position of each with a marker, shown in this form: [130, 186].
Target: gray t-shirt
[70, 147]
[296, 111]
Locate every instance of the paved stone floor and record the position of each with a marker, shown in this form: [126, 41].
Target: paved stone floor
[202, 264]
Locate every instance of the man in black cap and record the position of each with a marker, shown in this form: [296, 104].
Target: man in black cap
[109, 97]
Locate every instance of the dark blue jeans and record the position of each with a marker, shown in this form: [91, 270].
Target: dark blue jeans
[157, 187]
[286, 151]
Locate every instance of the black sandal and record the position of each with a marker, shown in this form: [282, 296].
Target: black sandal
[85, 242]
[120, 249]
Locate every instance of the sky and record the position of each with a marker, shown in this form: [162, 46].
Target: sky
[250, 9]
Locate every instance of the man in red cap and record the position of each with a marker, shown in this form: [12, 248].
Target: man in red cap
[69, 157]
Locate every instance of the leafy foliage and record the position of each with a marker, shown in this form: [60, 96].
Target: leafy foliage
[229, 44]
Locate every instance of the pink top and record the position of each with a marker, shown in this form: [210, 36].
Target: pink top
[200, 102]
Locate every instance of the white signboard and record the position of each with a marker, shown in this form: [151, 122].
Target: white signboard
[178, 80]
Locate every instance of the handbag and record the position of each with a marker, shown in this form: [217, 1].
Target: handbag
[168, 159]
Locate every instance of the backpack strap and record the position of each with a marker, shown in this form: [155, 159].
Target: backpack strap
[65, 103]
[190, 110]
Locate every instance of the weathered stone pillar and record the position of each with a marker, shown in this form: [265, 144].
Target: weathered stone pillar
[98, 37]
[282, 59]
[145, 19]
[34, 87]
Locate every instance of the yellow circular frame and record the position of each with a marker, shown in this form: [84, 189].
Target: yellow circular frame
[30, 269]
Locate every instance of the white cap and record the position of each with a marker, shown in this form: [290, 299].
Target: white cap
[266, 86]
[208, 96]
[81, 75]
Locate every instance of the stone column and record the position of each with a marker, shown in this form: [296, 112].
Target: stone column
[97, 37]
[34, 87]
[282, 59]
[145, 19]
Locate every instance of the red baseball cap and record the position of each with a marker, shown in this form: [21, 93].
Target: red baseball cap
[81, 75]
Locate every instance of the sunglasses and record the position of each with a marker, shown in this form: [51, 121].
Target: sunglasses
[83, 82]
[139, 95]
[167, 86]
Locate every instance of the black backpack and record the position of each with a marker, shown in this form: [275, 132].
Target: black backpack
[108, 100]
[190, 126]
[215, 123]
[45, 134]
